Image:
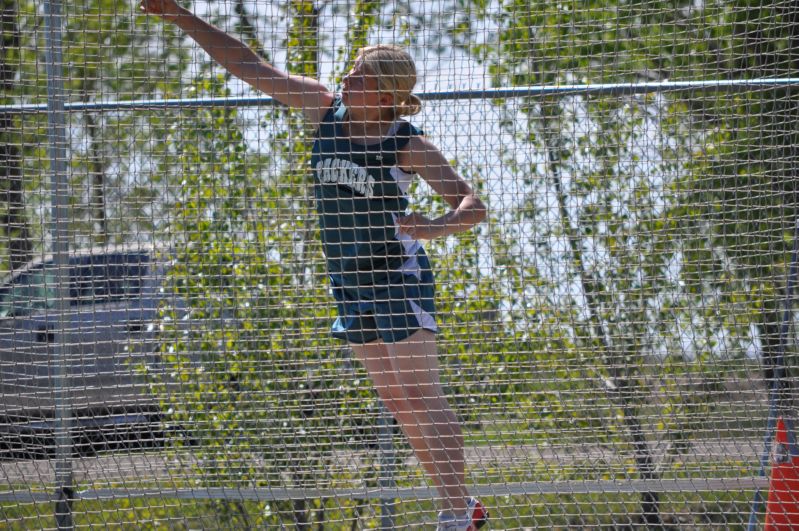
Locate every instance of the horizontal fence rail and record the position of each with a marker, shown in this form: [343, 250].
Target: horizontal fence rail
[520, 489]
[597, 89]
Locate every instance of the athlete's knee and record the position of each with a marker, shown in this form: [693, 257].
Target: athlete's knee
[427, 406]
[419, 388]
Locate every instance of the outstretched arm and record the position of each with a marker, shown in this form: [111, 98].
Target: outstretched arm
[300, 92]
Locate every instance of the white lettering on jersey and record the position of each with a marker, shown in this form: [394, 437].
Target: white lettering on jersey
[347, 173]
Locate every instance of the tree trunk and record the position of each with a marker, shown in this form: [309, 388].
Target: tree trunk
[13, 221]
[97, 179]
[618, 385]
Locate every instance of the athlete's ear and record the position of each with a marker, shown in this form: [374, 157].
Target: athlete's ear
[386, 99]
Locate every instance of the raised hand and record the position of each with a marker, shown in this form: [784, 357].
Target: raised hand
[162, 8]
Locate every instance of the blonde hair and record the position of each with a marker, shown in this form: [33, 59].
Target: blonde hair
[396, 73]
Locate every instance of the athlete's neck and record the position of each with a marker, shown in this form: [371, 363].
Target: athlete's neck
[366, 131]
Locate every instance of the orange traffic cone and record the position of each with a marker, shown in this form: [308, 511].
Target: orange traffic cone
[782, 507]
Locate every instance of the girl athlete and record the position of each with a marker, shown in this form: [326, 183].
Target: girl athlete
[364, 158]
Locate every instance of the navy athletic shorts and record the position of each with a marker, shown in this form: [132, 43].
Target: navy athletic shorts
[392, 310]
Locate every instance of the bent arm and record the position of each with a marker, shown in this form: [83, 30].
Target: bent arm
[468, 209]
[300, 92]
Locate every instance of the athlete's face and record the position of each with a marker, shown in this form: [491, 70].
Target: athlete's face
[360, 90]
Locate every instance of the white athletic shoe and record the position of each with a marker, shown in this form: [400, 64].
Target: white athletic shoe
[476, 517]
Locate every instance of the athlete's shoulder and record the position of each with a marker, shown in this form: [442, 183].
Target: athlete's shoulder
[336, 111]
[326, 128]
[417, 153]
[405, 129]
[420, 144]
[403, 135]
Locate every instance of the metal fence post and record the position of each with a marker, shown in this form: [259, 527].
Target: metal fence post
[385, 440]
[59, 231]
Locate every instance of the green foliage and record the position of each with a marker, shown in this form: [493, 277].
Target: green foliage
[601, 42]
[251, 372]
[639, 281]
[21, 140]
[108, 55]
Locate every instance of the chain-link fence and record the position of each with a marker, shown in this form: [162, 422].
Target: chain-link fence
[616, 338]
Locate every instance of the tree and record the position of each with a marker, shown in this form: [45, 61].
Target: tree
[242, 364]
[706, 253]
[14, 218]
[110, 56]
[105, 56]
[743, 183]
[257, 367]
[612, 214]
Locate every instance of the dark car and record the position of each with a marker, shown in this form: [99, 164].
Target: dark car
[109, 322]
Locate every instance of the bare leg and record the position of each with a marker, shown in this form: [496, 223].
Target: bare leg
[406, 377]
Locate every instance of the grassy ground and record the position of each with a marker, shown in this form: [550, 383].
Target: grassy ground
[503, 452]
[610, 510]
[712, 510]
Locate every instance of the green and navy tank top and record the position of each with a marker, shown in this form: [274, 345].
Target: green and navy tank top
[359, 193]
